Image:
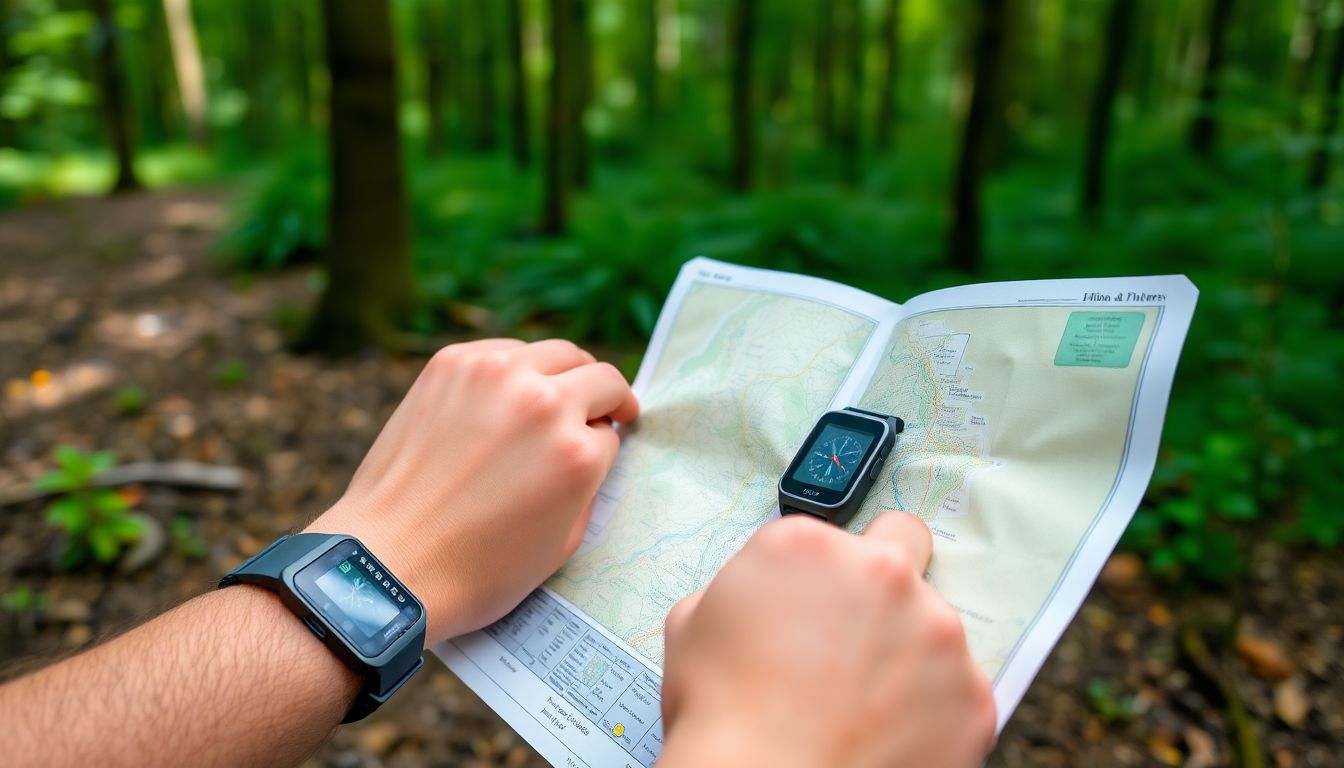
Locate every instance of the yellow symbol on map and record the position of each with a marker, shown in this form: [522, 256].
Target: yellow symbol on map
[619, 730]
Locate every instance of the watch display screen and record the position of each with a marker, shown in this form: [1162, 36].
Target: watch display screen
[358, 597]
[837, 452]
[833, 457]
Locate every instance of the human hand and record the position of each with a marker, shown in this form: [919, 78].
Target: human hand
[815, 647]
[481, 483]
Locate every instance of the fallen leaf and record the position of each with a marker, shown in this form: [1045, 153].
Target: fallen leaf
[1267, 659]
[1122, 569]
[1203, 754]
[1291, 703]
[1163, 751]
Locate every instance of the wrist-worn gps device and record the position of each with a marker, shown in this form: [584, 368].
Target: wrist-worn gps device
[838, 463]
[349, 600]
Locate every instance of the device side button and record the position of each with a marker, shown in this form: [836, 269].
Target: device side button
[877, 467]
[315, 627]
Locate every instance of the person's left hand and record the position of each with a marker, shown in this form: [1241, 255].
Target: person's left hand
[481, 483]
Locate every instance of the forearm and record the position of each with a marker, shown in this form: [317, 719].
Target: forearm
[229, 678]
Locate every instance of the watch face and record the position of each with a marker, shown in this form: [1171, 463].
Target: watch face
[833, 457]
[357, 597]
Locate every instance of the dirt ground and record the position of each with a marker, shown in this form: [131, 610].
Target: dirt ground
[106, 294]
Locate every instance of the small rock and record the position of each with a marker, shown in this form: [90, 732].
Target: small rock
[1291, 703]
[78, 635]
[1266, 658]
[518, 757]
[378, 738]
[69, 611]
[1122, 570]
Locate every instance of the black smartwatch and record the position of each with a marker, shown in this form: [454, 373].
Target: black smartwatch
[349, 600]
[838, 463]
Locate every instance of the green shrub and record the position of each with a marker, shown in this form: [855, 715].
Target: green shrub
[96, 521]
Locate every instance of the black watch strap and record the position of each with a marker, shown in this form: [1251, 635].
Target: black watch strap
[266, 568]
[897, 425]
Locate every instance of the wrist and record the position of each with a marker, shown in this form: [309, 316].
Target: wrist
[404, 555]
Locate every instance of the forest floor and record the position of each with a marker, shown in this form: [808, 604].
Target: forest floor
[105, 294]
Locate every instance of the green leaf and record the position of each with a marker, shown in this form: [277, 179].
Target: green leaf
[101, 462]
[109, 503]
[1239, 506]
[69, 514]
[1185, 512]
[105, 544]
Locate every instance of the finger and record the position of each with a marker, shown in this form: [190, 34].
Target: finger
[602, 391]
[680, 616]
[553, 356]
[905, 532]
[605, 434]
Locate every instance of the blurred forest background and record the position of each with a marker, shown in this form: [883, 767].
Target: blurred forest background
[201, 193]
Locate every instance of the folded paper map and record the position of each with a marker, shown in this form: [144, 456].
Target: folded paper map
[1032, 412]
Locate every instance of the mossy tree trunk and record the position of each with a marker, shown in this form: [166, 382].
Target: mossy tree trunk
[369, 294]
[1204, 128]
[555, 176]
[1334, 80]
[964, 246]
[890, 43]
[742, 112]
[1119, 22]
[520, 123]
[116, 110]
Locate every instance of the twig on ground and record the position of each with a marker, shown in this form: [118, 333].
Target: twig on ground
[182, 474]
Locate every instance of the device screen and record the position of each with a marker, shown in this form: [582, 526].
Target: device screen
[353, 592]
[833, 458]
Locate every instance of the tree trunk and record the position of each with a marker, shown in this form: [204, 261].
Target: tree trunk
[582, 93]
[891, 51]
[742, 115]
[964, 251]
[1204, 128]
[1119, 23]
[432, 33]
[487, 125]
[187, 65]
[369, 293]
[116, 112]
[1302, 49]
[555, 184]
[823, 75]
[519, 123]
[299, 61]
[1334, 79]
[646, 61]
[850, 33]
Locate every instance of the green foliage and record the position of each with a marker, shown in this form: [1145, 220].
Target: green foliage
[23, 599]
[231, 373]
[96, 521]
[283, 220]
[130, 400]
[185, 540]
[1110, 704]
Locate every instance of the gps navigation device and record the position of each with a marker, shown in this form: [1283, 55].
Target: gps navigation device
[346, 597]
[837, 464]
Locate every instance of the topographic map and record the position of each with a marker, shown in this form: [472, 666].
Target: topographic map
[1009, 453]
[740, 382]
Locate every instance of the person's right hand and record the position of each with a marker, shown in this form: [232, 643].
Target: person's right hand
[481, 483]
[815, 647]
